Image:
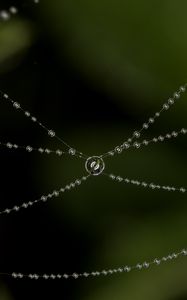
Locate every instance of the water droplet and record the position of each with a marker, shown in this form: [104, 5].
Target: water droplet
[95, 165]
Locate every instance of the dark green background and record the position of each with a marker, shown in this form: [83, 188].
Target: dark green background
[94, 71]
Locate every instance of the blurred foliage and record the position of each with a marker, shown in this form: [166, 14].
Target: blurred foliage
[138, 46]
[15, 38]
[128, 57]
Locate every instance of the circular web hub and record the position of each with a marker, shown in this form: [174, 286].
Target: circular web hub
[95, 165]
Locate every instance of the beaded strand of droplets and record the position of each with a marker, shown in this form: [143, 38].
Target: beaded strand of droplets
[51, 133]
[107, 272]
[136, 135]
[44, 198]
[59, 152]
[144, 184]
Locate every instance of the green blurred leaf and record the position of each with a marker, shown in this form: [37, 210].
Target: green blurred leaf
[15, 38]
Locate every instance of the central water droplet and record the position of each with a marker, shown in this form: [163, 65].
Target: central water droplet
[95, 165]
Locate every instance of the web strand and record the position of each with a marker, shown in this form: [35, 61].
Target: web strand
[59, 152]
[108, 272]
[51, 133]
[166, 106]
[160, 138]
[41, 150]
[45, 198]
[144, 184]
